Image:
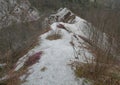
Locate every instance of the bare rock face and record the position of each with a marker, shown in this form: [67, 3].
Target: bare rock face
[62, 15]
[14, 11]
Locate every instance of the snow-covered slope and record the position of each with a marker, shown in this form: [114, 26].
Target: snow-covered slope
[55, 56]
[53, 67]
[12, 11]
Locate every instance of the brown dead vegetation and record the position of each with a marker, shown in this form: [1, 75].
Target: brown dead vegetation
[54, 37]
[104, 68]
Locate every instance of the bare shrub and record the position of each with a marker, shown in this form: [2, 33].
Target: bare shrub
[106, 21]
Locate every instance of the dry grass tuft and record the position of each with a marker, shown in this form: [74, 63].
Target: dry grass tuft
[103, 70]
[54, 37]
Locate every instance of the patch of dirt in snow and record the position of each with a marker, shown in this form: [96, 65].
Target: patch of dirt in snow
[54, 37]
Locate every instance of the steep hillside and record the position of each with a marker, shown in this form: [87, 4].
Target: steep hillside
[70, 52]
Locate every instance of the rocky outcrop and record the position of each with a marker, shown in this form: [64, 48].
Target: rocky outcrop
[14, 11]
[62, 15]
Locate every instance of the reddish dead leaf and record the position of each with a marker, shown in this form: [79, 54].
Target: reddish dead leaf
[33, 59]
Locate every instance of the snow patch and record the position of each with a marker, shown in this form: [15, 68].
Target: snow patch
[2, 65]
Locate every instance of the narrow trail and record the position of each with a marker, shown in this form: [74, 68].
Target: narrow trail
[53, 68]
